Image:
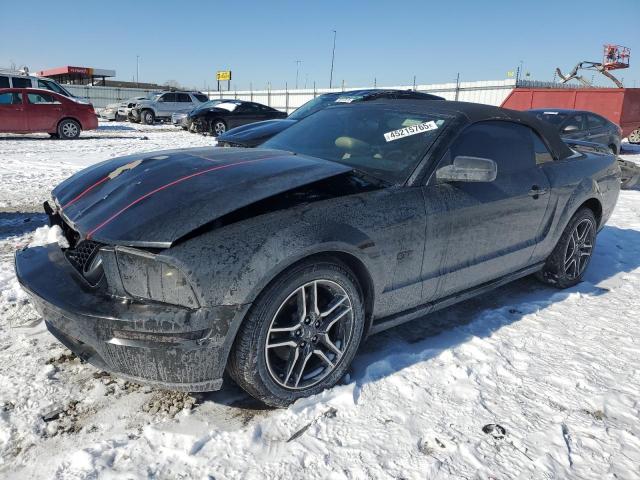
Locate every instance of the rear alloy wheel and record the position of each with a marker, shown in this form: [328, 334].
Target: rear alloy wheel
[218, 128]
[301, 334]
[634, 137]
[148, 117]
[68, 129]
[569, 260]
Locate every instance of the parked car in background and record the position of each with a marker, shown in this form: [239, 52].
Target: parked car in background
[274, 263]
[256, 133]
[124, 109]
[161, 106]
[582, 125]
[30, 110]
[20, 79]
[110, 112]
[219, 118]
[183, 119]
[618, 105]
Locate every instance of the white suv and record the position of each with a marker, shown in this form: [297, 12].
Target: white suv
[160, 106]
[20, 79]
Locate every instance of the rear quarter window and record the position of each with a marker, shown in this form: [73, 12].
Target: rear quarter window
[4, 82]
[19, 82]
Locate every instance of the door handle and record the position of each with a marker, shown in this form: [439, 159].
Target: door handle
[536, 191]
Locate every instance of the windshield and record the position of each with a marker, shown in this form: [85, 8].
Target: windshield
[54, 87]
[313, 106]
[153, 96]
[555, 118]
[208, 104]
[227, 106]
[382, 142]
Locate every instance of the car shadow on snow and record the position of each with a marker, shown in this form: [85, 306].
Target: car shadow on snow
[18, 223]
[617, 251]
[115, 128]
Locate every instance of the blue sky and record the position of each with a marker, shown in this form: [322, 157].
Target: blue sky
[261, 40]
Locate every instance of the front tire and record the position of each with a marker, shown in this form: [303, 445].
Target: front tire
[69, 129]
[300, 335]
[218, 127]
[568, 262]
[147, 117]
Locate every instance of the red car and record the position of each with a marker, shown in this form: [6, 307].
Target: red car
[29, 110]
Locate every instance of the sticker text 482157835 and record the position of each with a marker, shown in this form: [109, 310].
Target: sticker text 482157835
[410, 130]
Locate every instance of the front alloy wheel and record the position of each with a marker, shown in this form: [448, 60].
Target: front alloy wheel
[300, 335]
[308, 333]
[68, 129]
[219, 127]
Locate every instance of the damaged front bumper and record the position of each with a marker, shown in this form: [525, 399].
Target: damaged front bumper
[147, 342]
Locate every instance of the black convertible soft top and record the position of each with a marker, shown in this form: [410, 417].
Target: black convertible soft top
[477, 112]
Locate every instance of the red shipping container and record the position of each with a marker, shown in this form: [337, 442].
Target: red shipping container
[620, 105]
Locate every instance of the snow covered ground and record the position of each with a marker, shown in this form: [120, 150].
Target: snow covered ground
[559, 371]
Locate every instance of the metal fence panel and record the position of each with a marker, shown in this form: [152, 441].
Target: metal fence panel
[491, 92]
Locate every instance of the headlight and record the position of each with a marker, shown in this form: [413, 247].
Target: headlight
[144, 276]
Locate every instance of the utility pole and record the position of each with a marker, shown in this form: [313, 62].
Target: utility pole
[298, 62]
[137, 70]
[333, 55]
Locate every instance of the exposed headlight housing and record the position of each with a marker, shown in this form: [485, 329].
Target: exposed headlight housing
[145, 276]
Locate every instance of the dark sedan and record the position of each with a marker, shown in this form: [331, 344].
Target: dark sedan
[274, 263]
[219, 118]
[582, 125]
[257, 133]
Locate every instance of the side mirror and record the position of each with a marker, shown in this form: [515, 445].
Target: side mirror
[161, 100]
[570, 128]
[468, 169]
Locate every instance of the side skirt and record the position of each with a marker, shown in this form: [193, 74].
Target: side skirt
[408, 315]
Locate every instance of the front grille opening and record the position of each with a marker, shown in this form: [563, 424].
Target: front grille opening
[82, 254]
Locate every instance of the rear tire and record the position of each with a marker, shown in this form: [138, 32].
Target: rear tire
[147, 117]
[280, 354]
[69, 129]
[567, 263]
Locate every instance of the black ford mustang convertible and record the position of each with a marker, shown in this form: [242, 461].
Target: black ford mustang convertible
[274, 263]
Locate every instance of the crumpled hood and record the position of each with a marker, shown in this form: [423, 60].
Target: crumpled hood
[153, 199]
[255, 133]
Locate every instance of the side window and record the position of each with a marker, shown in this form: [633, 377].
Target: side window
[168, 97]
[509, 144]
[183, 97]
[574, 123]
[595, 122]
[540, 149]
[4, 82]
[10, 98]
[20, 82]
[41, 98]
[48, 85]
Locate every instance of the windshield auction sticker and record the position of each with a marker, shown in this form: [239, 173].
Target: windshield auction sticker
[410, 130]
